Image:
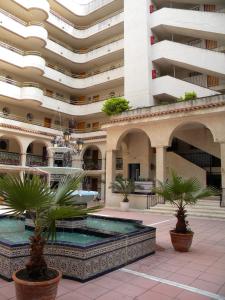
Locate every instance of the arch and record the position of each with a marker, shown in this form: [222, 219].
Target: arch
[85, 148]
[184, 123]
[45, 143]
[119, 139]
[12, 137]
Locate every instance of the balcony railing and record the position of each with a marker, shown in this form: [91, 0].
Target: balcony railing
[9, 158]
[81, 51]
[107, 18]
[81, 76]
[89, 164]
[36, 160]
[55, 95]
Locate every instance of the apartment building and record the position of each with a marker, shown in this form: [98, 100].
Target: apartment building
[60, 59]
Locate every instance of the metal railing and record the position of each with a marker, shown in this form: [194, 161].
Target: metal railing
[82, 76]
[36, 160]
[107, 18]
[9, 158]
[19, 20]
[153, 200]
[82, 51]
[89, 164]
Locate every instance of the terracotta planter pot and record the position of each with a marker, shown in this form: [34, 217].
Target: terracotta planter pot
[42, 290]
[124, 206]
[181, 241]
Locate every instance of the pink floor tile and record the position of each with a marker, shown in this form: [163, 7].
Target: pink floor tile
[110, 283]
[167, 290]
[143, 282]
[73, 296]
[181, 278]
[150, 295]
[213, 278]
[92, 290]
[222, 291]
[8, 291]
[205, 285]
[186, 295]
[71, 284]
[130, 290]
[62, 290]
[114, 296]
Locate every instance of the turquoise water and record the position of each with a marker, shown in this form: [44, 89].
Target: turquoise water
[14, 231]
[68, 237]
[111, 225]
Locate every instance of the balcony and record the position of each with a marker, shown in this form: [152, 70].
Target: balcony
[32, 91]
[85, 32]
[91, 165]
[87, 55]
[26, 60]
[34, 10]
[119, 163]
[36, 161]
[33, 32]
[9, 158]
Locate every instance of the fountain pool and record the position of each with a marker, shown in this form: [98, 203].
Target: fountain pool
[84, 249]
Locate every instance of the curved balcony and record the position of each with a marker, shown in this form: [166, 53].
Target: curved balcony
[85, 56]
[84, 32]
[32, 9]
[86, 13]
[34, 32]
[27, 91]
[30, 61]
[32, 93]
[75, 81]
[38, 126]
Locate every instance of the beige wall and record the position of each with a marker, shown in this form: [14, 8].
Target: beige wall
[184, 168]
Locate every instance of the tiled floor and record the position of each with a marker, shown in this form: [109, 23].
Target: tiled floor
[202, 268]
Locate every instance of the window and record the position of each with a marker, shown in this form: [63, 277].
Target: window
[6, 111]
[30, 117]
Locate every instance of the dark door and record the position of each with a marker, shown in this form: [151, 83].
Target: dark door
[134, 171]
[94, 184]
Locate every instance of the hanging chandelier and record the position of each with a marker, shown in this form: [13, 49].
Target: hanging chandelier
[64, 144]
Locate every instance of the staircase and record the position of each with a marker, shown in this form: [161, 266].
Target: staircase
[206, 208]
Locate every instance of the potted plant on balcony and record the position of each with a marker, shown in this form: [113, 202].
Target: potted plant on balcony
[181, 192]
[44, 206]
[125, 187]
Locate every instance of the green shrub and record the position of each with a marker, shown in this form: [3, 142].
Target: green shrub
[188, 96]
[115, 106]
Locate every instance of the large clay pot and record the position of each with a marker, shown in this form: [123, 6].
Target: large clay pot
[181, 241]
[41, 290]
[124, 206]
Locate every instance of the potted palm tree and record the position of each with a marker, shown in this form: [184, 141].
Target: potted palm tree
[181, 192]
[44, 206]
[125, 187]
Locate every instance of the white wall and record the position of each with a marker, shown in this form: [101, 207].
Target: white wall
[137, 70]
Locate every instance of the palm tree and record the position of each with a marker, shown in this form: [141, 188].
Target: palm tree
[123, 186]
[44, 206]
[181, 192]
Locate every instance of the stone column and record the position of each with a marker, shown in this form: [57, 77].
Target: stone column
[103, 177]
[23, 164]
[222, 155]
[160, 163]
[110, 173]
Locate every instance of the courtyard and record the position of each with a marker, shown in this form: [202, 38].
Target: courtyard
[198, 274]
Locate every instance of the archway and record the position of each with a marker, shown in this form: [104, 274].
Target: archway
[36, 154]
[92, 158]
[10, 150]
[135, 158]
[193, 152]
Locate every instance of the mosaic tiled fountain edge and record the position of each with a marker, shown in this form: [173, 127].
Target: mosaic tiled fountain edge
[83, 263]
